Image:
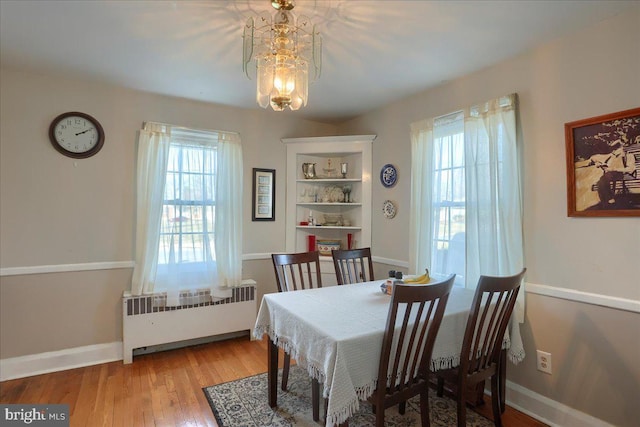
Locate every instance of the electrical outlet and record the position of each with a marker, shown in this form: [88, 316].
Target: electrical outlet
[543, 361]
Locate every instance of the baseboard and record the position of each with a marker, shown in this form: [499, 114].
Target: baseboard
[53, 361]
[547, 410]
[78, 357]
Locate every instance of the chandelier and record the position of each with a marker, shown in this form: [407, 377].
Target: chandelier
[287, 53]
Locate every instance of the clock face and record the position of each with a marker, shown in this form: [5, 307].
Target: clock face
[76, 135]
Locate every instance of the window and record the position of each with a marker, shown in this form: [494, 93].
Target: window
[466, 213]
[466, 204]
[448, 205]
[189, 211]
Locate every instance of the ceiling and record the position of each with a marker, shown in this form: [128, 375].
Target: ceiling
[375, 52]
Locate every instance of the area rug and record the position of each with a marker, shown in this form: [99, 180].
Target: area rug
[244, 403]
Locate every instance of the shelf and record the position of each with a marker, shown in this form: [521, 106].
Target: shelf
[327, 153]
[327, 204]
[330, 227]
[332, 180]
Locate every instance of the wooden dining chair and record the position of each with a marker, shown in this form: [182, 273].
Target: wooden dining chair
[481, 356]
[353, 265]
[295, 272]
[415, 314]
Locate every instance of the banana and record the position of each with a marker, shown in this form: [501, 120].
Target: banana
[420, 280]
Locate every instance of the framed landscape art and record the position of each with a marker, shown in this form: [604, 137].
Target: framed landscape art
[603, 165]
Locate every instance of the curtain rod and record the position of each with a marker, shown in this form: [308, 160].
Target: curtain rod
[144, 124]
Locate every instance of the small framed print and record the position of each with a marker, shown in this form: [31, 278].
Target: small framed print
[264, 195]
[603, 165]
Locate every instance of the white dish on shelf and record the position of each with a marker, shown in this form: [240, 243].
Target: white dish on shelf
[325, 246]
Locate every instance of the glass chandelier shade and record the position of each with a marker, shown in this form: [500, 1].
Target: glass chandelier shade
[287, 54]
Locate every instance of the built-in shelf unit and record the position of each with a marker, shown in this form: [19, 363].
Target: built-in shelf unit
[340, 204]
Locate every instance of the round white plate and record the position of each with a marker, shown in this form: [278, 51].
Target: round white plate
[389, 209]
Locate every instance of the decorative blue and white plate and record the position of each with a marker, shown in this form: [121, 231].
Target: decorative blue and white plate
[388, 175]
[388, 209]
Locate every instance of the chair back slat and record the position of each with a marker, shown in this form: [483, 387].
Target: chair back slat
[487, 323]
[415, 314]
[353, 265]
[297, 271]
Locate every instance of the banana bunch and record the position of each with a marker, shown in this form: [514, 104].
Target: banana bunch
[420, 280]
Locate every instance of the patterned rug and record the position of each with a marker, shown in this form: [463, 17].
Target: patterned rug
[243, 403]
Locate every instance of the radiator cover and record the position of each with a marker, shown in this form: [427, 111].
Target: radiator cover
[145, 322]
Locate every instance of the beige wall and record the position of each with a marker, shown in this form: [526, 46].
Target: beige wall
[55, 210]
[595, 350]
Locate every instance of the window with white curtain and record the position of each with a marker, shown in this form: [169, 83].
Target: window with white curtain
[448, 205]
[466, 213]
[189, 211]
[466, 196]
[187, 240]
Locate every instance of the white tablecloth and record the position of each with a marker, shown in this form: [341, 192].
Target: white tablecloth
[336, 332]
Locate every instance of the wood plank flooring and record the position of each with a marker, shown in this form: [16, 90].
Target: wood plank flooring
[160, 389]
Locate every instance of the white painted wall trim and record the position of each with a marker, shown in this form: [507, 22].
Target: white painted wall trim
[389, 261]
[617, 303]
[547, 410]
[585, 297]
[62, 268]
[53, 361]
[256, 256]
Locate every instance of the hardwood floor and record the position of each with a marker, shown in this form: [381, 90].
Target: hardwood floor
[161, 389]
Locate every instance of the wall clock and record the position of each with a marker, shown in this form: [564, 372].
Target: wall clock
[76, 135]
[388, 175]
[388, 209]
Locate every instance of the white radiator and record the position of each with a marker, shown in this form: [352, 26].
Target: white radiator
[146, 321]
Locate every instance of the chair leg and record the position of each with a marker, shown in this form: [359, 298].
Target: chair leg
[424, 408]
[503, 380]
[315, 399]
[285, 371]
[380, 418]
[402, 407]
[462, 404]
[495, 400]
[479, 396]
[440, 388]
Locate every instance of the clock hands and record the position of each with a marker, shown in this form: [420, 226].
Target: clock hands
[84, 131]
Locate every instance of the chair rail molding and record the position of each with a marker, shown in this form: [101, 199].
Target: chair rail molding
[608, 301]
[63, 268]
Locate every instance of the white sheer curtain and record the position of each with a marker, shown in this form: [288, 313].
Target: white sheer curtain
[420, 227]
[494, 243]
[493, 190]
[196, 241]
[153, 153]
[229, 211]
[492, 195]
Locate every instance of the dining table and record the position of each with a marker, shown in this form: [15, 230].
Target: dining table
[336, 333]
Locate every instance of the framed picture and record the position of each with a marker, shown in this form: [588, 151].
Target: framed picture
[603, 165]
[264, 195]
